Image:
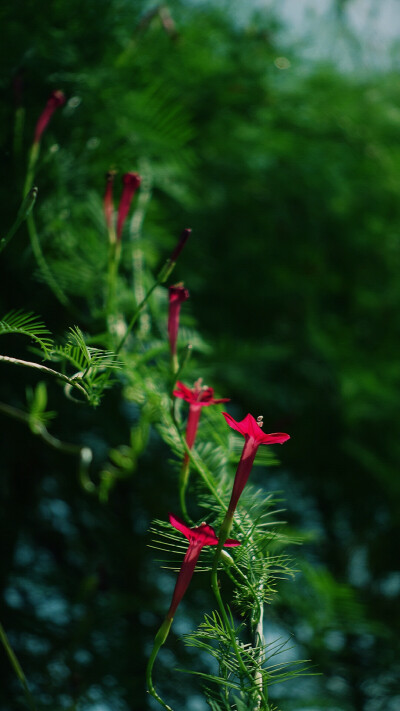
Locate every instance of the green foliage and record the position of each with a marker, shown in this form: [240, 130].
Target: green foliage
[27, 324]
[289, 179]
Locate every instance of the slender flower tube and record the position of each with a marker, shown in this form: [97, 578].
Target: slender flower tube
[254, 436]
[55, 100]
[198, 397]
[198, 537]
[108, 204]
[177, 295]
[131, 183]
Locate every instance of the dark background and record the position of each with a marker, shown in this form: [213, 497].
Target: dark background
[288, 171]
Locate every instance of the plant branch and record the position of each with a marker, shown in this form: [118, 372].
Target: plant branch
[44, 369]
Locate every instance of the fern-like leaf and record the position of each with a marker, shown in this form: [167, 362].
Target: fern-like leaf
[27, 324]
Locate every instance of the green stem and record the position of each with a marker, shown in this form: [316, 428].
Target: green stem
[23, 212]
[136, 316]
[135, 229]
[159, 640]
[206, 476]
[183, 482]
[17, 668]
[42, 264]
[49, 371]
[225, 528]
[114, 255]
[33, 236]
[32, 160]
[18, 134]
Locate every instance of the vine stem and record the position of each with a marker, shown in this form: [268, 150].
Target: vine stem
[135, 229]
[17, 668]
[23, 212]
[33, 235]
[223, 535]
[42, 264]
[38, 428]
[159, 640]
[44, 369]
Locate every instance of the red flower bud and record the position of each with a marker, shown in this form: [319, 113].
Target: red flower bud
[182, 241]
[55, 100]
[177, 295]
[131, 183]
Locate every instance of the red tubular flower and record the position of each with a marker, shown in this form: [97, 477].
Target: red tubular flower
[197, 397]
[182, 241]
[254, 436]
[108, 203]
[131, 183]
[55, 100]
[198, 537]
[177, 295]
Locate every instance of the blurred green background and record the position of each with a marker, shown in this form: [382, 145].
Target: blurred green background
[282, 152]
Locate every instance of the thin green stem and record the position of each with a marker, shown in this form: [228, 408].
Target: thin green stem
[43, 369]
[114, 255]
[135, 230]
[30, 172]
[183, 482]
[17, 668]
[136, 316]
[33, 235]
[42, 264]
[23, 212]
[159, 640]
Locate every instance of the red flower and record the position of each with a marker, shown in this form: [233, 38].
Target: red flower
[131, 183]
[198, 537]
[177, 295]
[197, 397]
[108, 203]
[254, 436]
[55, 100]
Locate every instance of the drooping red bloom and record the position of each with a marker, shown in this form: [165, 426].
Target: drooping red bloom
[108, 202]
[55, 100]
[254, 436]
[198, 537]
[131, 183]
[199, 396]
[177, 295]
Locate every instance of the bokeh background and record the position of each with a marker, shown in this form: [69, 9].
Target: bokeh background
[273, 130]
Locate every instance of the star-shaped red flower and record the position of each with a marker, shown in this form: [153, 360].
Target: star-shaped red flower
[254, 436]
[198, 395]
[250, 428]
[203, 535]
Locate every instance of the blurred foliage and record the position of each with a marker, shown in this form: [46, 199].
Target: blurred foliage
[288, 173]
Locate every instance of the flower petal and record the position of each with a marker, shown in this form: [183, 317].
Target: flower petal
[180, 526]
[275, 438]
[248, 427]
[182, 391]
[231, 542]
